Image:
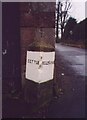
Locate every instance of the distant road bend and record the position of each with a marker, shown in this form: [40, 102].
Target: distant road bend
[75, 56]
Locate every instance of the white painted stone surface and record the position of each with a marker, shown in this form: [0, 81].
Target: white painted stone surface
[40, 66]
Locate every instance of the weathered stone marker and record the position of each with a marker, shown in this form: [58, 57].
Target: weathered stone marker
[39, 53]
[39, 75]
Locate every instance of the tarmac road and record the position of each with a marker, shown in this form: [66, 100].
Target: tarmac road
[70, 77]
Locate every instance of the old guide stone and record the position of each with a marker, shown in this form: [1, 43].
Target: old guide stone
[38, 38]
[39, 74]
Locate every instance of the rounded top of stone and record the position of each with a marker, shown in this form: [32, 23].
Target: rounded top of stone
[41, 46]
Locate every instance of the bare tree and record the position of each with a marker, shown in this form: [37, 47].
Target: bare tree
[62, 15]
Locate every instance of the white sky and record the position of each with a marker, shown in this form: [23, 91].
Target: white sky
[78, 9]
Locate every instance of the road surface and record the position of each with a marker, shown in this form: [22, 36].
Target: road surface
[75, 56]
[70, 76]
